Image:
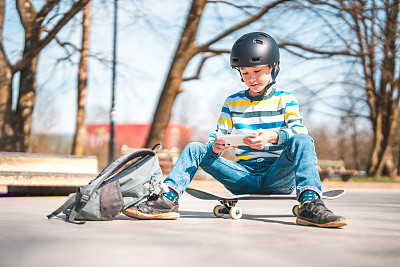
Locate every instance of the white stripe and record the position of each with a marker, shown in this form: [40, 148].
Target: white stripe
[258, 120]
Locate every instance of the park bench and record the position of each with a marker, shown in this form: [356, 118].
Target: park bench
[27, 172]
[334, 167]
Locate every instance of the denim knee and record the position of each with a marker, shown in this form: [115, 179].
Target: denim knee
[301, 139]
[195, 148]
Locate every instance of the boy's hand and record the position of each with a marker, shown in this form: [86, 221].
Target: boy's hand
[261, 138]
[219, 146]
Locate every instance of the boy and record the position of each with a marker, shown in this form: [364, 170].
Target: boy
[279, 158]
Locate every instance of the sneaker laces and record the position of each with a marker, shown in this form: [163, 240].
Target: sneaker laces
[318, 208]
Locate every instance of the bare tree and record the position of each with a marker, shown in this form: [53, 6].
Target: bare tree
[40, 27]
[368, 33]
[186, 50]
[80, 133]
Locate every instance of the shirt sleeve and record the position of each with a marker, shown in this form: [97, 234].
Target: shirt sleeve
[293, 121]
[224, 124]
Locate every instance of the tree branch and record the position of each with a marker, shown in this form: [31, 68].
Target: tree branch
[316, 51]
[217, 51]
[200, 67]
[231, 4]
[65, 44]
[242, 24]
[240, 7]
[76, 7]
[50, 4]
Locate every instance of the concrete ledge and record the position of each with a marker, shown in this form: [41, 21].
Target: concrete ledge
[44, 179]
[54, 163]
[29, 170]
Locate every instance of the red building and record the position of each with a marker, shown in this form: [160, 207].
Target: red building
[134, 135]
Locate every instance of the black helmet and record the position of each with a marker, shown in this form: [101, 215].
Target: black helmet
[253, 50]
[256, 49]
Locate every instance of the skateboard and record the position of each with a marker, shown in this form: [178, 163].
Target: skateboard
[228, 203]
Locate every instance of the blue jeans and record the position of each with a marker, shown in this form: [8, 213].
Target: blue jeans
[296, 168]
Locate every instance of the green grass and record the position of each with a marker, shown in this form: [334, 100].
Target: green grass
[367, 179]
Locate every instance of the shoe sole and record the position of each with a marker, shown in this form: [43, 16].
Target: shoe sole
[143, 216]
[334, 224]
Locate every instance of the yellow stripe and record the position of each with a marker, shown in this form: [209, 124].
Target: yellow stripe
[285, 100]
[301, 130]
[289, 113]
[240, 103]
[225, 120]
[243, 158]
[244, 103]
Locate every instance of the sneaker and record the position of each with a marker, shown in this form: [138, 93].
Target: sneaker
[156, 207]
[315, 213]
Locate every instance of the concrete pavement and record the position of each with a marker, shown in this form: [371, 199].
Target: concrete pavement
[265, 236]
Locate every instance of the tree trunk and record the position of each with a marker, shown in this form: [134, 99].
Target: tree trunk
[386, 166]
[6, 76]
[6, 129]
[354, 142]
[386, 100]
[381, 160]
[27, 84]
[15, 126]
[376, 149]
[80, 133]
[185, 52]
[25, 106]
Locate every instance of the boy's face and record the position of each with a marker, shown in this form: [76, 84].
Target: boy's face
[256, 78]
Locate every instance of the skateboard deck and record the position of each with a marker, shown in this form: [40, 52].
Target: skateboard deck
[229, 202]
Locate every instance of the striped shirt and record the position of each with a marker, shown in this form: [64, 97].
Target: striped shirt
[278, 111]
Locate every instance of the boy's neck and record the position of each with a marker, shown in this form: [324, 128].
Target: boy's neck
[261, 95]
[267, 92]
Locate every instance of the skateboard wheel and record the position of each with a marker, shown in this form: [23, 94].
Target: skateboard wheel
[218, 211]
[235, 213]
[295, 210]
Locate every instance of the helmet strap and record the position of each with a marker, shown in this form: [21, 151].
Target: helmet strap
[274, 73]
[241, 77]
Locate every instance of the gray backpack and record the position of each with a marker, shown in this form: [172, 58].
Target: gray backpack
[112, 191]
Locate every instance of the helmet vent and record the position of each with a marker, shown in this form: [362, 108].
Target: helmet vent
[258, 41]
[255, 59]
[238, 42]
[235, 59]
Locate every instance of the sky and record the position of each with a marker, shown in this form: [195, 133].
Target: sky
[148, 33]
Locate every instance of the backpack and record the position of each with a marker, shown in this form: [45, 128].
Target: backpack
[112, 191]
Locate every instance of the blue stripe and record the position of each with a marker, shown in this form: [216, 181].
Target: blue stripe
[278, 93]
[225, 110]
[292, 104]
[255, 127]
[297, 125]
[238, 94]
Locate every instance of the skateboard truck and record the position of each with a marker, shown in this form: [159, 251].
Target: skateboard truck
[228, 207]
